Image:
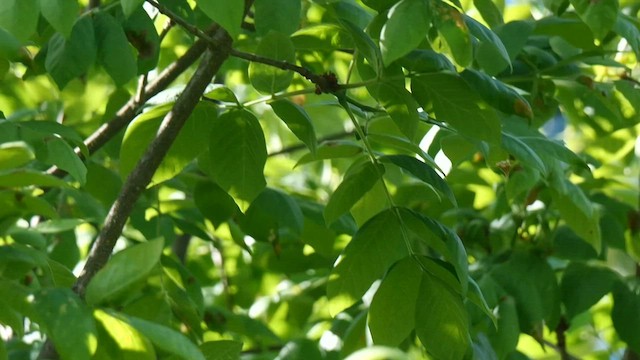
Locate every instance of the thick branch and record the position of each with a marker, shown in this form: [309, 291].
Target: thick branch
[146, 167]
[129, 110]
[325, 83]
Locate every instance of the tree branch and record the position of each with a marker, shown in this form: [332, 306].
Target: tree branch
[129, 110]
[325, 83]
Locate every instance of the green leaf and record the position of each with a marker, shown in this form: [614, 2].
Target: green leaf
[70, 58]
[441, 320]
[579, 214]
[497, 94]
[627, 27]
[266, 78]
[600, 16]
[365, 45]
[21, 178]
[273, 217]
[401, 107]
[15, 154]
[457, 104]
[9, 45]
[141, 33]
[426, 61]
[583, 286]
[130, 6]
[393, 309]
[214, 203]
[422, 172]
[124, 269]
[297, 120]
[120, 340]
[67, 322]
[335, 149]
[114, 52]
[166, 338]
[491, 53]
[222, 93]
[228, 14]
[221, 349]
[322, 37]
[192, 140]
[376, 246]
[514, 35]
[238, 154]
[277, 15]
[626, 315]
[489, 11]
[451, 26]
[406, 27]
[355, 184]
[300, 349]
[61, 14]
[518, 148]
[58, 225]
[19, 17]
[59, 153]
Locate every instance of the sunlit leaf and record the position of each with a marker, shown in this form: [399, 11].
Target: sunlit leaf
[404, 30]
[351, 189]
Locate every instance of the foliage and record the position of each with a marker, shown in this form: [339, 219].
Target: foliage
[375, 179]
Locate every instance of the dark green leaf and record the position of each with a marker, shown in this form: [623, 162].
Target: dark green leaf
[491, 53]
[67, 322]
[297, 120]
[9, 45]
[393, 309]
[426, 61]
[228, 14]
[422, 172]
[351, 189]
[68, 59]
[584, 285]
[514, 36]
[61, 14]
[600, 16]
[273, 217]
[627, 27]
[522, 152]
[214, 203]
[406, 27]
[238, 154]
[376, 246]
[142, 34]
[277, 15]
[497, 94]
[266, 78]
[626, 315]
[114, 52]
[222, 93]
[221, 350]
[124, 269]
[364, 44]
[579, 214]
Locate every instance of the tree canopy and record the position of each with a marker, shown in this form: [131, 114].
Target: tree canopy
[319, 179]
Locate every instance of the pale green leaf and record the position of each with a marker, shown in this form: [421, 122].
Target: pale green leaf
[376, 246]
[124, 269]
[266, 78]
[20, 178]
[442, 323]
[15, 154]
[351, 189]
[228, 14]
[451, 26]
[393, 309]
[61, 14]
[19, 17]
[406, 27]
[600, 16]
[127, 342]
[67, 321]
